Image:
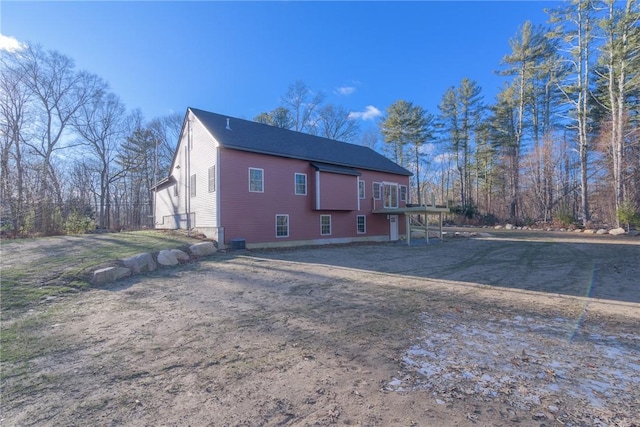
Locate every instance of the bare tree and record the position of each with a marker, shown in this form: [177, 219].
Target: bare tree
[166, 131]
[279, 117]
[14, 104]
[335, 122]
[302, 103]
[99, 123]
[57, 91]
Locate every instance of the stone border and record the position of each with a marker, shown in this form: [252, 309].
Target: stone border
[146, 262]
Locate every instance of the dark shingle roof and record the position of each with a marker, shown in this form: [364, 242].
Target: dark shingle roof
[260, 138]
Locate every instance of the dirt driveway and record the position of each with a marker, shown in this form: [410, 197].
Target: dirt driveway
[517, 328]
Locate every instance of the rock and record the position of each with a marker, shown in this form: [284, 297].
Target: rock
[202, 249]
[633, 233]
[166, 257]
[589, 231]
[617, 231]
[498, 227]
[182, 256]
[601, 231]
[508, 227]
[140, 263]
[172, 257]
[539, 416]
[577, 230]
[109, 274]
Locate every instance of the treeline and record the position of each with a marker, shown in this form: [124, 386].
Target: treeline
[72, 158]
[560, 142]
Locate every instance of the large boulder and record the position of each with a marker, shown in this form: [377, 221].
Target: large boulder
[617, 231]
[140, 263]
[109, 274]
[166, 257]
[202, 249]
[170, 257]
[602, 231]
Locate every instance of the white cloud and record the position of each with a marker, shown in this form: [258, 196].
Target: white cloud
[10, 44]
[370, 112]
[345, 90]
[442, 158]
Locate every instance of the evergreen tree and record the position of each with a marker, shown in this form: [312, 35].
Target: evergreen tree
[407, 126]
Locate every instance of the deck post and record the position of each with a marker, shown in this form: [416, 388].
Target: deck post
[408, 228]
[426, 226]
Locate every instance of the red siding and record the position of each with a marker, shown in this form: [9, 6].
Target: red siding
[338, 191]
[251, 216]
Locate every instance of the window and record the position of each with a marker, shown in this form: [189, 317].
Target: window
[376, 191]
[361, 224]
[361, 189]
[212, 179]
[325, 225]
[282, 225]
[390, 195]
[192, 186]
[403, 193]
[256, 180]
[175, 190]
[301, 184]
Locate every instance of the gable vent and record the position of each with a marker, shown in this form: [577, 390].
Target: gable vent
[228, 124]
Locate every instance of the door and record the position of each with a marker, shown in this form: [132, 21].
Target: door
[393, 227]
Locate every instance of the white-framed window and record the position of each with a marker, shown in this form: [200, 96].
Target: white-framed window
[256, 180]
[301, 184]
[377, 194]
[325, 225]
[403, 193]
[212, 179]
[192, 186]
[390, 194]
[361, 192]
[361, 224]
[282, 225]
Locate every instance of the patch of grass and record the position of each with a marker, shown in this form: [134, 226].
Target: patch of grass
[34, 269]
[19, 344]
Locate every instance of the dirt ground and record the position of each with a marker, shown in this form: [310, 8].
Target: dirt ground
[515, 328]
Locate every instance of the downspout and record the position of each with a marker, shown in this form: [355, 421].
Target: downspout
[188, 177]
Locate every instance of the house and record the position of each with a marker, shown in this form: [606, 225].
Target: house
[271, 187]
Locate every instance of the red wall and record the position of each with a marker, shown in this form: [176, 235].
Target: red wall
[251, 216]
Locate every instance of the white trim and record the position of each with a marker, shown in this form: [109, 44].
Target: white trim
[262, 180]
[287, 216]
[384, 199]
[373, 192]
[318, 190]
[295, 184]
[330, 228]
[365, 224]
[218, 220]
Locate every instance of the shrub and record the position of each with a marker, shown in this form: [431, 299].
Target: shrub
[564, 218]
[627, 214]
[78, 223]
[467, 211]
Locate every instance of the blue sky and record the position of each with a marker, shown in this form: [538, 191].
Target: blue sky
[238, 58]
